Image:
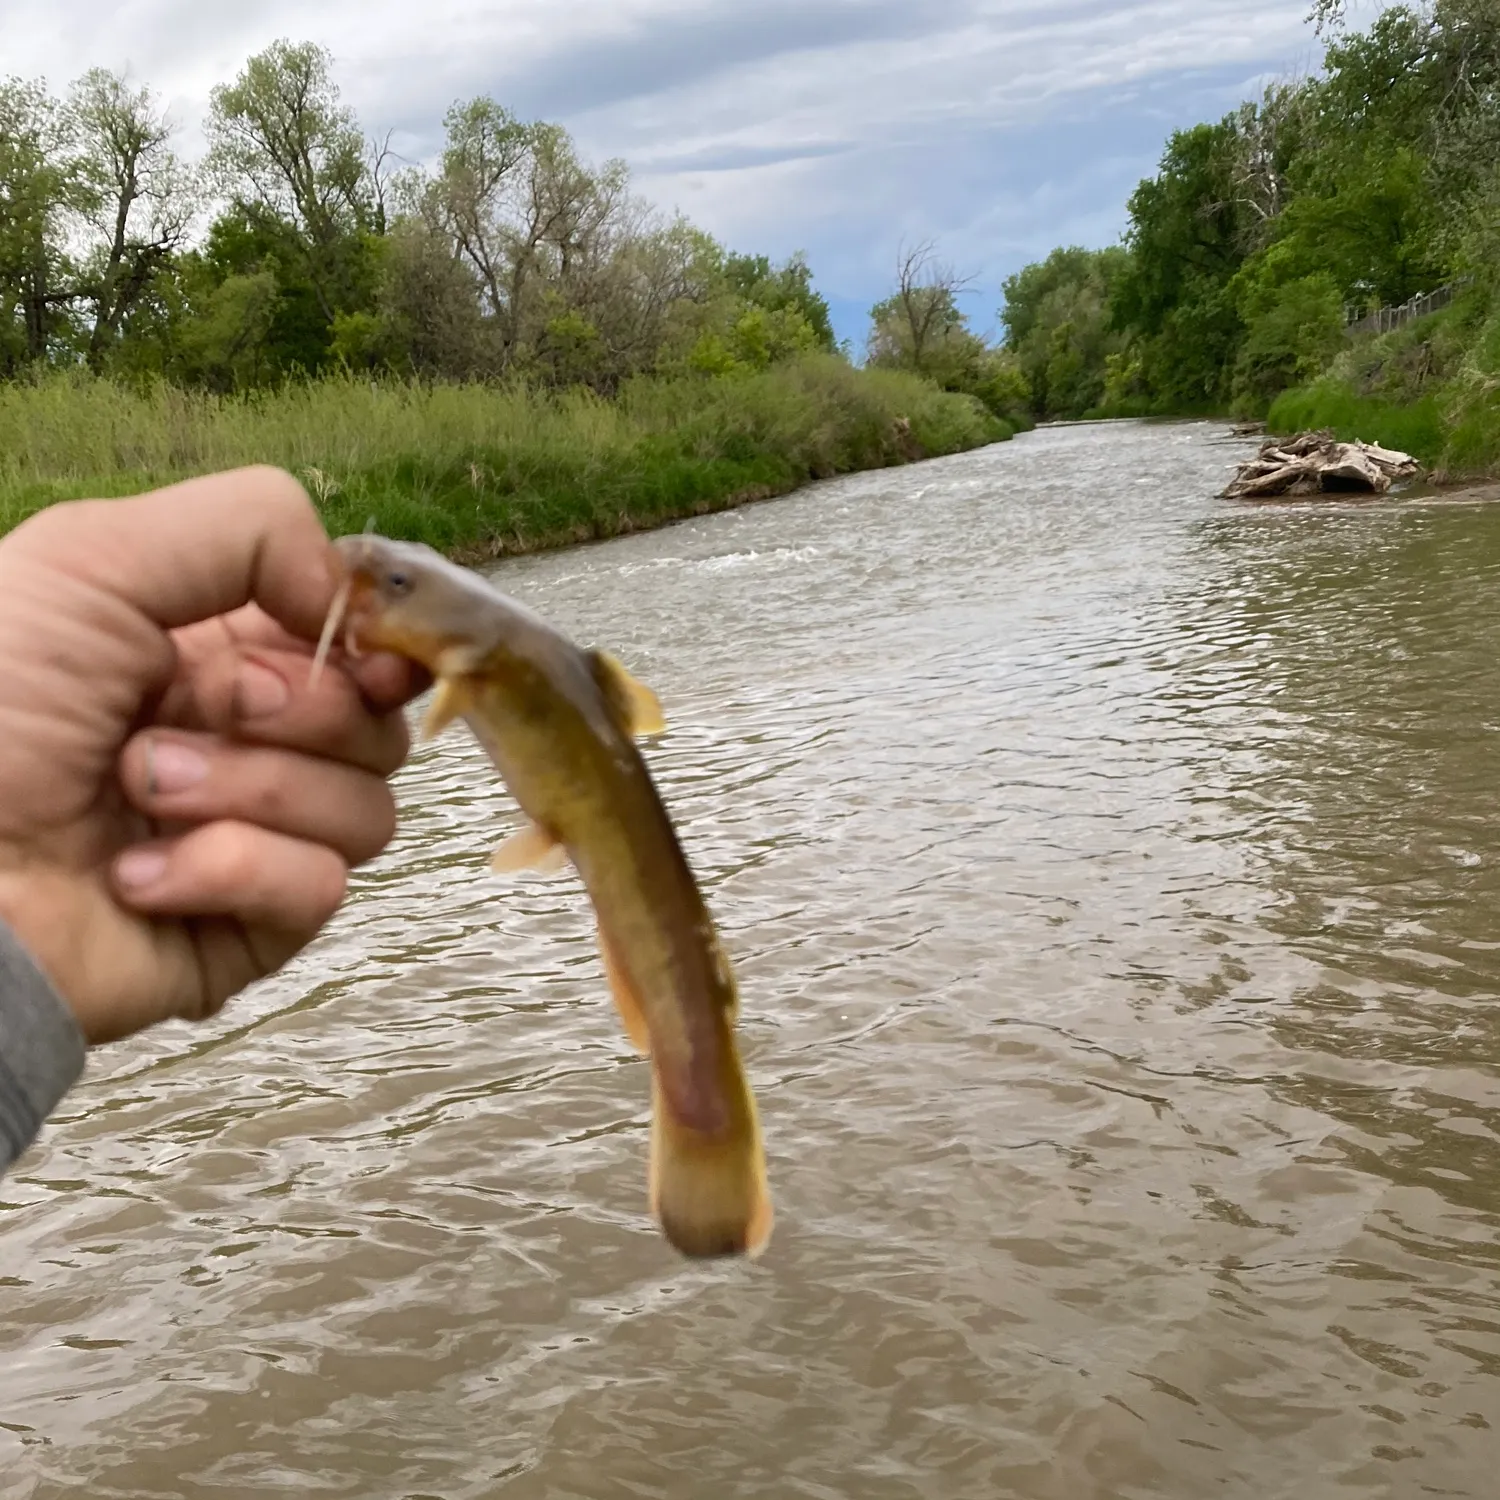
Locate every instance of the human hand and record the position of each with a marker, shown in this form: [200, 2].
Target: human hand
[179, 808]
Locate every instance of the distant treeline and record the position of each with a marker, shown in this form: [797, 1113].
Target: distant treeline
[1262, 237]
[513, 257]
[300, 245]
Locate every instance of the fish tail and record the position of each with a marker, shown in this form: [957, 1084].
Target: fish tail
[708, 1192]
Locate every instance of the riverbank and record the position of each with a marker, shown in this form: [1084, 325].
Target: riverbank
[482, 471]
[1430, 388]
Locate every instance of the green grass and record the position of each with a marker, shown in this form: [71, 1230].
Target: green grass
[1431, 389]
[1418, 429]
[482, 470]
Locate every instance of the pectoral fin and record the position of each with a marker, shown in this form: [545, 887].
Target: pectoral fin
[638, 708]
[529, 848]
[449, 702]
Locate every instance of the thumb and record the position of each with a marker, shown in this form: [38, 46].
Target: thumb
[195, 550]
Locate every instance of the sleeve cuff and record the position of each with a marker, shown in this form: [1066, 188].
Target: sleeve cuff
[42, 1051]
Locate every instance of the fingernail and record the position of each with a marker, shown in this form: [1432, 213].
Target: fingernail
[171, 767]
[138, 867]
[260, 691]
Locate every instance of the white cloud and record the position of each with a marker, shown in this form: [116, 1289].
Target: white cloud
[841, 125]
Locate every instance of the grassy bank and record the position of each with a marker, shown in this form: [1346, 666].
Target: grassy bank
[478, 470]
[1431, 389]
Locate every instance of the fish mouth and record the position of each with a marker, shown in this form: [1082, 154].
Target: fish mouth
[363, 617]
[356, 614]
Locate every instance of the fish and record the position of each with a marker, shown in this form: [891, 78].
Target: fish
[561, 726]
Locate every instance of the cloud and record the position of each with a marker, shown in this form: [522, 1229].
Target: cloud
[997, 127]
[699, 48]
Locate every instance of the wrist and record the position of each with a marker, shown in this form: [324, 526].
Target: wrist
[42, 1048]
[35, 909]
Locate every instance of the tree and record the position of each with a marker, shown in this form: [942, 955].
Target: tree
[140, 203]
[516, 257]
[652, 289]
[284, 146]
[1266, 139]
[43, 188]
[1465, 125]
[1187, 240]
[1294, 326]
[782, 288]
[578, 281]
[430, 321]
[921, 323]
[538, 228]
[1328, 15]
[921, 328]
[1056, 316]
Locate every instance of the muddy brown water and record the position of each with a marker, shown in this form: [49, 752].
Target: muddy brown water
[1113, 876]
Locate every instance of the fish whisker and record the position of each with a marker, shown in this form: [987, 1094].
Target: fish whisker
[336, 611]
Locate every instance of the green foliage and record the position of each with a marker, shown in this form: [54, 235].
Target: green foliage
[246, 243]
[1374, 235]
[999, 383]
[1431, 388]
[485, 468]
[921, 329]
[1261, 237]
[756, 339]
[1057, 322]
[1294, 328]
[42, 185]
[516, 258]
[1187, 239]
[1416, 429]
[283, 145]
[777, 289]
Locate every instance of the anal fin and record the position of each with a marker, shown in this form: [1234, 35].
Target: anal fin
[626, 1001]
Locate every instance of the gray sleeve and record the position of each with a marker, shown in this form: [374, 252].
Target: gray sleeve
[41, 1048]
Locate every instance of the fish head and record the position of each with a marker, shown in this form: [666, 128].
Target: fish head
[406, 598]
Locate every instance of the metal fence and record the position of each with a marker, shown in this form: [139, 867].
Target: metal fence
[1384, 319]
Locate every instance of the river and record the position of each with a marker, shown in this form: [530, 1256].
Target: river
[1113, 878]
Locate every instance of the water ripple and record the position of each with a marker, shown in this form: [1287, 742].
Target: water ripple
[1110, 876]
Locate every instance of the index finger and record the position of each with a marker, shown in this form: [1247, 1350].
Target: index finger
[385, 681]
[196, 549]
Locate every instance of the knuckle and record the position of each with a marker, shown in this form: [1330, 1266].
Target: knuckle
[268, 800]
[341, 715]
[327, 884]
[392, 744]
[367, 820]
[379, 825]
[281, 500]
[235, 861]
[278, 487]
[61, 523]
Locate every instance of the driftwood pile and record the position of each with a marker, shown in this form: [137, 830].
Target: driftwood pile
[1314, 463]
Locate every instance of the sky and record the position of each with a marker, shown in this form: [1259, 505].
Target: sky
[996, 129]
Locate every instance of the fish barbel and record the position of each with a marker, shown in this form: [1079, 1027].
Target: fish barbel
[560, 725]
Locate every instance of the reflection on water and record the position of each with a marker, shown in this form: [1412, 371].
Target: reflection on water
[1112, 877]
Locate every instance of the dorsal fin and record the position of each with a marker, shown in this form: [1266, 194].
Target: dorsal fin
[636, 706]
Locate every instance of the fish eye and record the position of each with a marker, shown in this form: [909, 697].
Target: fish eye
[398, 581]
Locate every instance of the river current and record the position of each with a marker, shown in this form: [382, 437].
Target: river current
[1112, 874]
